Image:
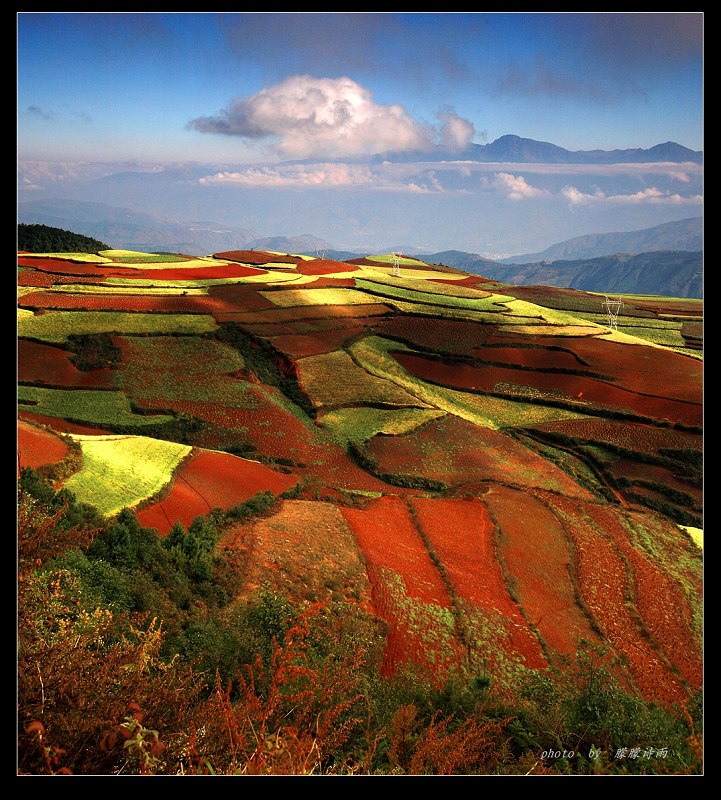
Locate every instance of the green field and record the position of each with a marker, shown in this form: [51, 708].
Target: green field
[477, 303]
[56, 326]
[202, 370]
[85, 406]
[360, 424]
[122, 471]
[335, 379]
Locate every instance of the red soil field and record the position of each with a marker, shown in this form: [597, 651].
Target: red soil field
[171, 304]
[238, 297]
[603, 581]
[459, 453]
[64, 266]
[61, 425]
[539, 357]
[461, 533]
[315, 327]
[640, 471]
[409, 560]
[315, 344]
[277, 434]
[209, 480]
[38, 447]
[535, 551]
[44, 364]
[193, 273]
[323, 266]
[306, 550]
[629, 435]
[600, 393]
[441, 335]
[659, 601]
[257, 257]
[639, 369]
[36, 278]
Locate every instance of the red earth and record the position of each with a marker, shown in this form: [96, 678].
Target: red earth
[459, 453]
[405, 586]
[209, 480]
[66, 267]
[323, 266]
[62, 425]
[600, 393]
[40, 363]
[603, 580]
[628, 435]
[535, 551]
[659, 601]
[278, 434]
[315, 344]
[38, 447]
[461, 532]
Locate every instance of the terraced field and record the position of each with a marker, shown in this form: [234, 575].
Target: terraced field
[489, 470]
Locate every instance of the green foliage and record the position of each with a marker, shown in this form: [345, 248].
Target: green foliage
[94, 351]
[267, 364]
[46, 239]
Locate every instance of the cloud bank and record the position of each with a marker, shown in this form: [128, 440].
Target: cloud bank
[308, 117]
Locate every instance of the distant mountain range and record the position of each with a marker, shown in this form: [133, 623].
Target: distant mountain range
[517, 150]
[683, 234]
[126, 229]
[671, 273]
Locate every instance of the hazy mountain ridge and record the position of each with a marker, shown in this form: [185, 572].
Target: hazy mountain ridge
[519, 150]
[684, 234]
[126, 229]
[666, 272]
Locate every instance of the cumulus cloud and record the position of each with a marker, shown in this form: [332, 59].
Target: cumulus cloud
[649, 195]
[306, 117]
[456, 132]
[516, 187]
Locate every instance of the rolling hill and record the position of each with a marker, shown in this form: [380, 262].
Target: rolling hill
[367, 516]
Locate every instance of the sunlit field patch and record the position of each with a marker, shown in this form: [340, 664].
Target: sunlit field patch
[121, 471]
[321, 297]
[335, 379]
[56, 326]
[361, 424]
[85, 405]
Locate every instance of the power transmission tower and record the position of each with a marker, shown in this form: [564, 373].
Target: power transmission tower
[396, 265]
[612, 309]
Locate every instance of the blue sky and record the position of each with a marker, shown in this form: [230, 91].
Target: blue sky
[119, 86]
[109, 105]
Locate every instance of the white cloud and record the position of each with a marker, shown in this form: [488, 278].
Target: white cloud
[516, 187]
[456, 132]
[330, 117]
[649, 195]
[301, 175]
